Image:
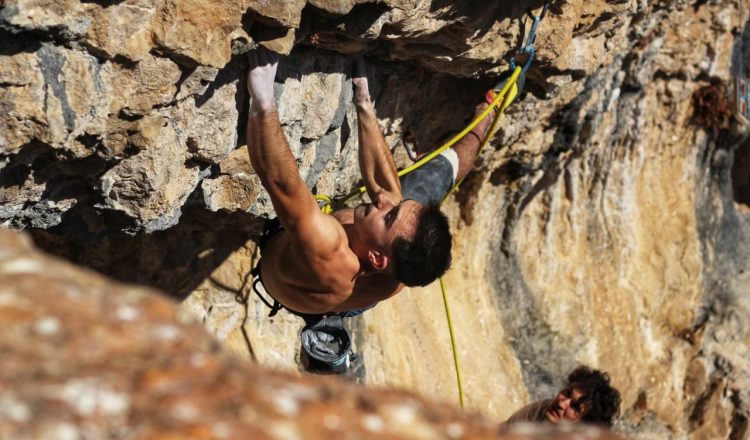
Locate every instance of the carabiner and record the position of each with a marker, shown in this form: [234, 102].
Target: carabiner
[528, 47]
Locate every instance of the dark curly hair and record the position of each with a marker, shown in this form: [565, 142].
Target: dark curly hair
[428, 255]
[600, 398]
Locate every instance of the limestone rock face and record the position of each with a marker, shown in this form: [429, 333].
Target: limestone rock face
[607, 224]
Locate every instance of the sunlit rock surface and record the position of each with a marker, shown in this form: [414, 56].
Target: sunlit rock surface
[606, 225]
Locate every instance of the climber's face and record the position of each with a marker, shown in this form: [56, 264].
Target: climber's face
[379, 223]
[569, 405]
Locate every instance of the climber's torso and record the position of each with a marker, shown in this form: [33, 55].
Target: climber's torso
[322, 276]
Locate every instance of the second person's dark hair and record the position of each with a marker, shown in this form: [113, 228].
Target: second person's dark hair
[602, 400]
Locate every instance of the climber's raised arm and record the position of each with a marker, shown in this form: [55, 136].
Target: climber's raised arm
[274, 162]
[375, 160]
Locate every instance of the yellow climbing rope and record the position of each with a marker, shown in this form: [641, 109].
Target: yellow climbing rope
[327, 206]
[506, 97]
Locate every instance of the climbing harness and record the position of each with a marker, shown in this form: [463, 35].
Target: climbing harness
[499, 98]
[326, 345]
[276, 306]
[270, 229]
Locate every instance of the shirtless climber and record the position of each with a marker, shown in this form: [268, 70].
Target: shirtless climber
[587, 397]
[316, 263]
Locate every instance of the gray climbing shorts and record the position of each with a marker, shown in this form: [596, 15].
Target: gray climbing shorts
[432, 181]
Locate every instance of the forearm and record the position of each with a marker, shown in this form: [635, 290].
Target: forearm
[375, 160]
[269, 153]
[274, 163]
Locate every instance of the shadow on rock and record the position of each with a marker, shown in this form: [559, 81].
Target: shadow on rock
[175, 260]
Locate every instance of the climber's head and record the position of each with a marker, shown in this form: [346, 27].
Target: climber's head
[587, 397]
[424, 257]
[406, 239]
